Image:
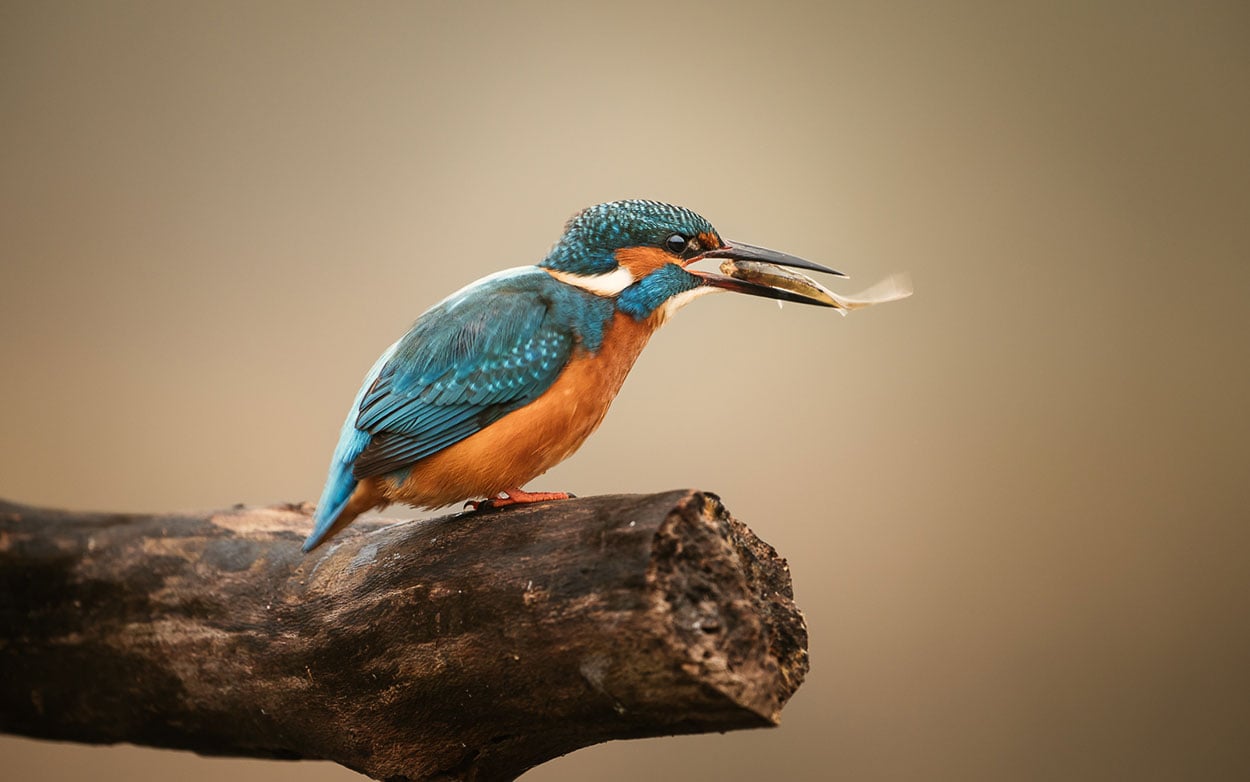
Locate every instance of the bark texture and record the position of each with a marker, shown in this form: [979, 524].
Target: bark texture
[469, 647]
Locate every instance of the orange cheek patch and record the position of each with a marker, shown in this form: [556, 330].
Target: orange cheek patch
[641, 261]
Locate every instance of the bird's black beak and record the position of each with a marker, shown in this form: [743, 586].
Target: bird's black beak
[737, 251]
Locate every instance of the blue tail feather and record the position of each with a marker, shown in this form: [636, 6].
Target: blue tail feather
[338, 490]
[340, 483]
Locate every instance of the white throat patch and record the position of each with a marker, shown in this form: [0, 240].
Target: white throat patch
[608, 284]
[670, 307]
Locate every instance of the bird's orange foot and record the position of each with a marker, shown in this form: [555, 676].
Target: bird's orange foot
[518, 497]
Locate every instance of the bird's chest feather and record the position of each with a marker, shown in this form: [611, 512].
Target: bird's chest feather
[576, 403]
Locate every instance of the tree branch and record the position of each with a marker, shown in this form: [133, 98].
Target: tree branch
[470, 647]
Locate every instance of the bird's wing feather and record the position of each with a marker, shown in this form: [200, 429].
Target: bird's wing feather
[464, 365]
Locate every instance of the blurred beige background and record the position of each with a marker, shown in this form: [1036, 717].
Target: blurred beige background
[1017, 506]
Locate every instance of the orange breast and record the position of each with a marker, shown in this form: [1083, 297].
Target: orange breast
[527, 442]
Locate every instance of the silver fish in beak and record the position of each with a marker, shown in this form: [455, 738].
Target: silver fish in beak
[892, 288]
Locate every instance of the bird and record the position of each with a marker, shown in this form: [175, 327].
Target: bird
[508, 376]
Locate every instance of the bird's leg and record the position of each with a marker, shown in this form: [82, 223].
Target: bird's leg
[518, 497]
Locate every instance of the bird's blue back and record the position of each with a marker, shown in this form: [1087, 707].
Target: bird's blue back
[481, 353]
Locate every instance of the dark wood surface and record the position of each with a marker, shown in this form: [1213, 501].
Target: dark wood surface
[472, 646]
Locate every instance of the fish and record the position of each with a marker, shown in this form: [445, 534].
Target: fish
[892, 288]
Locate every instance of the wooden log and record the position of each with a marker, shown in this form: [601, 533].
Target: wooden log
[472, 647]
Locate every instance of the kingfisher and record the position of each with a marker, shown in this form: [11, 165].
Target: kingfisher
[508, 376]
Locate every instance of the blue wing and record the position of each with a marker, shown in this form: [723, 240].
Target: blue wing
[467, 362]
[455, 374]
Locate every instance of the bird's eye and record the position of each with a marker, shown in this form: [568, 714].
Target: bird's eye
[676, 244]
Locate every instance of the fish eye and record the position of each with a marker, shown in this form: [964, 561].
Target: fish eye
[676, 244]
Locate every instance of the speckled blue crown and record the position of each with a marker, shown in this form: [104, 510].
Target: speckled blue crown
[593, 235]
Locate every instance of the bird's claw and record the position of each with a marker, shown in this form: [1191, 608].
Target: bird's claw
[517, 497]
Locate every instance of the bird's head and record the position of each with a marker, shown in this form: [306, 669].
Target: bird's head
[638, 252]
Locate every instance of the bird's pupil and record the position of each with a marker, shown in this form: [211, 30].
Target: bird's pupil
[676, 243]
